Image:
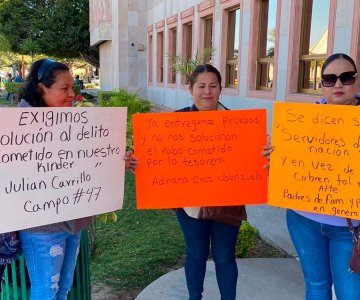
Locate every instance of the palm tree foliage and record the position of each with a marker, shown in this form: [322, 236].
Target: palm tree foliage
[185, 66]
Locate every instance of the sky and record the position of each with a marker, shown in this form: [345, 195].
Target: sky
[321, 9]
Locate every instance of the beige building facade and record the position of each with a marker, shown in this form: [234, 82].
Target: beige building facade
[266, 50]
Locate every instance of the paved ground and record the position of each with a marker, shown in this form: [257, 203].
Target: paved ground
[271, 223]
[259, 278]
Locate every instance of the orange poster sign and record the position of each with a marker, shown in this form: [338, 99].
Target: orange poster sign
[315, 164]
[200, 158]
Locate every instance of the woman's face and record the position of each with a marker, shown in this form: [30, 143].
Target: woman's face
[61, 93]
[340, 93]
[206, 91]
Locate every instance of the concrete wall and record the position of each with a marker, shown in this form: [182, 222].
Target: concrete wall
[123, 56]
[124, 64]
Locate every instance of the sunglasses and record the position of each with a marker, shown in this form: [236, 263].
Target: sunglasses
[346, 78]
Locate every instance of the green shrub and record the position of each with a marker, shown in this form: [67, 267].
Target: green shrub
[13, 87]
[105, 96]
[90, 86]
[186, 66]
[133, 102]
[246, 239]
[88, 96]
[77, 89]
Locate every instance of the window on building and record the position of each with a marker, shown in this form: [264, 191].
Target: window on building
[207, 36]
[187, 44]
[150, 58]
[208, 32]
[355, 41]
[313, 44]
[357, 57]
[160, 57]
[207, 42]
[357, 48]
[172, 54]
[187, 40]
[206, 11]
[266, 45]
[232, 48]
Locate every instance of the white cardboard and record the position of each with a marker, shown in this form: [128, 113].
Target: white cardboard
[59, 164]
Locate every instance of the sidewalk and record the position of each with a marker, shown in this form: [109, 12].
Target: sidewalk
[271, 223]
[259, 278]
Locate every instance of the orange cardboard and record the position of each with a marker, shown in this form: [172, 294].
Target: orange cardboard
[200, 158]
[315, 164]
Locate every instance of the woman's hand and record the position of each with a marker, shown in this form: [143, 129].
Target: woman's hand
[131, 161]
[267, 151]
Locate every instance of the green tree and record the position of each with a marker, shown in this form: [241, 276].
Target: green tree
[271, 40]
[4, 48]
[59, 27]
[4, 43]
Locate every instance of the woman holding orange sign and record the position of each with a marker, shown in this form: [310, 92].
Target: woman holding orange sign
[218, 226]
[323, 242]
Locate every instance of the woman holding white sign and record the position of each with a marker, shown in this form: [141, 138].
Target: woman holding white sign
[51, 251]
[202, 226]
[324, 243]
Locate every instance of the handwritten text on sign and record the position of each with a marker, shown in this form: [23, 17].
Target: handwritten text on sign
[200, 158]
[59, 164]
[315, 165]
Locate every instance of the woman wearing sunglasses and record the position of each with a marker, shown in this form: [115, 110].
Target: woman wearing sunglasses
[324, 242]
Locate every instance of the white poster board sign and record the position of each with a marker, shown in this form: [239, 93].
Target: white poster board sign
[59, 164]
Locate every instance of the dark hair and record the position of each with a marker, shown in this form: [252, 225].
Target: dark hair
[206, 68]
[42, 71]
[336, 56]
